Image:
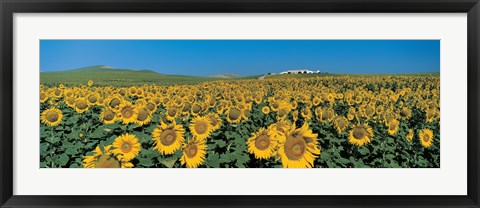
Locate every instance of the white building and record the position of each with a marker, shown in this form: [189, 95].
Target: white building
[299, 71]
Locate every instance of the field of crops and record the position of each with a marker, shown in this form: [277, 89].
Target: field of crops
[311, 122]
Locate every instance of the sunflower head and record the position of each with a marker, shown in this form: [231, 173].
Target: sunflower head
[426, 137]
[168, 138]
[126, 146]
[360, 135]
[194, 152]
[105, 159]
[215, 121]
[266, 110]
[393, 127]
[108, 116]
[341, 124]
[81, 105]
[51, 116]
[127, 112]
[262, 144]
[234, 114]
[144, 116]
[298, 148]
[200, 127]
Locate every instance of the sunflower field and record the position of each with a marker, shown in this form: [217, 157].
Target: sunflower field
[283, 122]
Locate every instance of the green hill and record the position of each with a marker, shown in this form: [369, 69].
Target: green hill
[105, 75]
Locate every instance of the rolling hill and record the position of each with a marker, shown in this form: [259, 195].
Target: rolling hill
[105, 75]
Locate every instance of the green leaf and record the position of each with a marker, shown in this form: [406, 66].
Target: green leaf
[168, 162]
[364, 151]
[62, 159]
[147, 162]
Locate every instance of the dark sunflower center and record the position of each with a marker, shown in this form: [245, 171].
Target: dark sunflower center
[71, 100]
[295, 147]
[262, 142]
[127, 112]
[234, 114]
[275, 105]
[168, 137]
[106, 161]
[247, 113]
[126, 147]
[403, 113]
[191, 150]
[57, 92]
[392, 126]
[282, 113]
[43, 96]
[196, 108]
[325, 116]
[142, 114]
[426, 137]
[81, 104]
[213, 121]
[201, 127]
[186, 107]
[114, 102]
[342, 123]
[369, 110]
[109, 115]
[172, 112]
[92, 98]
[359, 133]
[52, 116]
[150, 106]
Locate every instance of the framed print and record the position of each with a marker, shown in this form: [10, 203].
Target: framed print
[239, 103]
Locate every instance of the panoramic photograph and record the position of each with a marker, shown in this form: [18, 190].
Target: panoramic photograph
[239, 104]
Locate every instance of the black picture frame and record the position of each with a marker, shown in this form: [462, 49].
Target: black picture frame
[9, 7]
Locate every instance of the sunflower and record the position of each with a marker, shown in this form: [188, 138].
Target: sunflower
[426, 137]
[409, 135]
[341, 123]
[430, 115]
[168, 138]
[360, 135]
[114, 102]
[43, 97]
[298, 148]
[151, 106]
[52, 116]
[172, 113]
[405, 113]
[234, 114]
[104, 159]
[215, 121]
[196, 109]
[127, 112]
[281, 127]
[90, 83]
[393, 127]
[143, 116]
[126, 147]
[81, 105]
[92, 98]
[107, 116]
[262, 144]
[266, 110]
[70, 102]
[200, 127]
[193, 153]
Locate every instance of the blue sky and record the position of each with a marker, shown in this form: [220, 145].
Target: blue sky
[244, 57]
